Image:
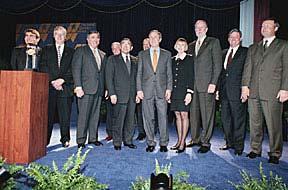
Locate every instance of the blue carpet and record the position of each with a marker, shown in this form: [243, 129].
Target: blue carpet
[119, 168]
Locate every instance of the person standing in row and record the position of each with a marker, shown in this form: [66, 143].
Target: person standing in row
[116, 50]
[88, 66]
[265, 83]
[207, 66]
[154, 86]
[121, 72]
[56, 61]
[233, 111]
[183, 81]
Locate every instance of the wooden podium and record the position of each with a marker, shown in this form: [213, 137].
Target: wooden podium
[23, 115]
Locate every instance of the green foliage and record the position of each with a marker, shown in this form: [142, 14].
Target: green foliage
[179, 181]
[67, 178]
[12, 169]
[251, 183]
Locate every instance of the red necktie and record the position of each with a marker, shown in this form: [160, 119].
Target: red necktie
[229, 60]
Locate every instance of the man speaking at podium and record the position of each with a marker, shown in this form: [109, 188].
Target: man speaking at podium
[26, 57]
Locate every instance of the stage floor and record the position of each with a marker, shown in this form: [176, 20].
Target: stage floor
[212, 170]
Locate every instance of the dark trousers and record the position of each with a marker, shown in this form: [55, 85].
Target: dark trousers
[109, 118]
[88, 117]
[140, 125]
[233, 116]
[271, 111]
[63, 107]
[123, 127]
[202, 113]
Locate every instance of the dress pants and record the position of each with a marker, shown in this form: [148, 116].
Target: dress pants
[233, 116]
[109, 118]
[202, 113]
[272, 112]
[148, 119]
[123, 127]
[62, 106]
[89, 110]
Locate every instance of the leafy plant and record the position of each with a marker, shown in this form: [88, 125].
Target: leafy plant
[252, 183]
[68, 178]
[179, 181]
[13, 169]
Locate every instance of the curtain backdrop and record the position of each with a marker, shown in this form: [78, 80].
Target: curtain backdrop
[125, 18]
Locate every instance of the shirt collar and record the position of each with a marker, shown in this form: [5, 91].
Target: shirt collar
[270, 40]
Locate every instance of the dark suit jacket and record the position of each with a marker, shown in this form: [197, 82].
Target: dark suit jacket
[230, 78]
[207, 63]
[147, 79]
[85, 70]
[265, 73]
[49, 64]
[18, 57]
[118, 81]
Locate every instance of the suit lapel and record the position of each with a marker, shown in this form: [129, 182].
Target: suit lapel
[123, 64]
[149, 58]
[203, 46]
[90, 54]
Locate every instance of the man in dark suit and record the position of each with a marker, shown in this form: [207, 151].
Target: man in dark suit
[233, 111]
[88, 66]
[21, 57]
[154, 86]
[116, 50]
[121, 72]
[207, 66]
[56, 61]
[265, 82]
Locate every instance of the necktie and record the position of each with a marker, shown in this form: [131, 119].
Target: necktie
[128, 64]
[265, 45]
[229, 60]
[198, 45]
[97, 58]
[155, 60]
[59, 55]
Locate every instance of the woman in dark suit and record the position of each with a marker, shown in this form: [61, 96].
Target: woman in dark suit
[183, 82]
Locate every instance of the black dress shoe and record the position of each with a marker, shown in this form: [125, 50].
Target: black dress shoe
[81, 145]
[133, 146]
[117, 147]
[203, 149]
[181, 149]
[150, 148]
[66, 144]
[225, 147]
[273, 160]
[253, 155]
[175, 147]
[238, 152]
[163, 149]
[192, 144]
[96, 143]
[141, 137]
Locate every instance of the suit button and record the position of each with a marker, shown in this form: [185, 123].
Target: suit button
[175, 86]
[227, 75]
[175, 80]
[176, 74]
[176, 69]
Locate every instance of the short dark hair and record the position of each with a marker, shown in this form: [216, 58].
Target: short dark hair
[33, 31]
[275, 21]
[93, 32]
[126, 39]
[235, 30]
